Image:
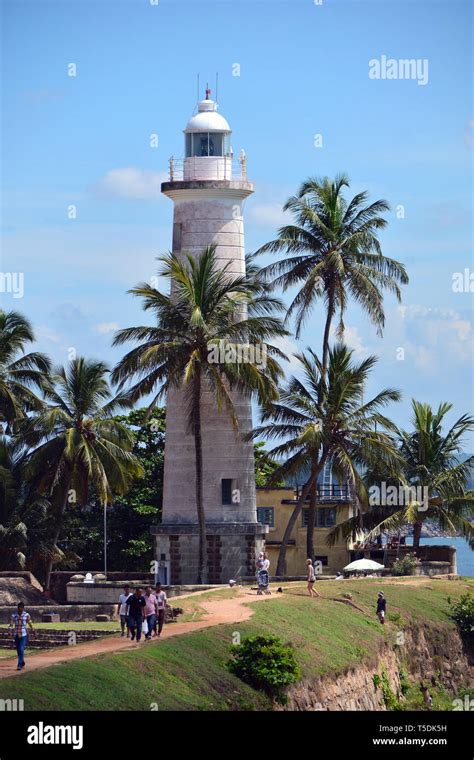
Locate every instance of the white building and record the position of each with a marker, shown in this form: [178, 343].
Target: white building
[208, 188]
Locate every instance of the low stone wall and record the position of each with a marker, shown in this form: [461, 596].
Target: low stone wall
[67, 612]
[108, 592]
[60, 579]
[48, 638]
[433, 568]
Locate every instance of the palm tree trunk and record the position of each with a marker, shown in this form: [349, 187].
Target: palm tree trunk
[199, 492]
[280, 570]
[311, 520]
[62, 498]
[417, 533]
[327, 330]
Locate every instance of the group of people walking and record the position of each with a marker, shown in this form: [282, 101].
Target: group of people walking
[142, 613]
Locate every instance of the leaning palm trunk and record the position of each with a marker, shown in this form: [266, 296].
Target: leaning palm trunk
[199, 490]
[311, 520]
[296, 512]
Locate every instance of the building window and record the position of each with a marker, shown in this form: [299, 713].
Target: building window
[323, 518]
[266, 516]
[323, 558]
[226, 490]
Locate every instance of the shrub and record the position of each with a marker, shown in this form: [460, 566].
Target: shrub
[265, 663]
[404, 565]
[389, 697]
[462, 612]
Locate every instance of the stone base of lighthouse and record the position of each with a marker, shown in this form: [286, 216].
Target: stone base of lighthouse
[231, 550]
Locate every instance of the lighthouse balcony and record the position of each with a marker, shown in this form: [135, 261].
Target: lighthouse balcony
[202, 168]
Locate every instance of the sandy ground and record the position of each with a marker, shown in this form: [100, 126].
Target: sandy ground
[218, 611]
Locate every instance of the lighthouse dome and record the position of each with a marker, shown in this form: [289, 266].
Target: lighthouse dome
[207, 119]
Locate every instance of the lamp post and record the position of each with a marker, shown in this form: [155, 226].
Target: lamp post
[105, 539]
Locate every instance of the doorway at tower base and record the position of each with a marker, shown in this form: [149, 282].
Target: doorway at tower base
[231, 550]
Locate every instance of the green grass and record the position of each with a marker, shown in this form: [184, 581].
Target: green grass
[188, 672]
[113, 625]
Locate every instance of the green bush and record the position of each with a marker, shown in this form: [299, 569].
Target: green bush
[404, 565]
[265, 663]
[462, 612]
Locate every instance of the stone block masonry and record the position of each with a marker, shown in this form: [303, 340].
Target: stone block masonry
[231, 550]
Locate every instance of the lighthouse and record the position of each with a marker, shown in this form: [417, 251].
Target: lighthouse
[208, 188]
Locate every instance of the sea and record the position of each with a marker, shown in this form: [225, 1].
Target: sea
[464, 553]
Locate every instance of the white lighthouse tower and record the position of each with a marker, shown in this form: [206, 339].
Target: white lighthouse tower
[208, 188]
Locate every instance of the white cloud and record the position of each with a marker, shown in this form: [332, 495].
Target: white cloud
[289, 348]
[42, 332]
[103, 328]
[351, 338]
[130, 183]
[268, 215]
[436, 337]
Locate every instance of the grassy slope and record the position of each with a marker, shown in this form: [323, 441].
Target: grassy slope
[188, 673]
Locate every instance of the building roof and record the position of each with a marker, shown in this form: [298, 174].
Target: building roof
[207, 119]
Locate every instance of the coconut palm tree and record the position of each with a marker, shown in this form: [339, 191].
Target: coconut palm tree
[432, 462]
[24, 514]
[332, 252]
[323, 418]
[20, 372]
[76, 444]
[208, 307]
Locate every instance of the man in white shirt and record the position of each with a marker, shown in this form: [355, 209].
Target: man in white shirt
[122, 611]
[161, 607]
[19, 621]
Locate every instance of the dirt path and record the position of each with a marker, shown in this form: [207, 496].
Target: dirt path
[218, 612]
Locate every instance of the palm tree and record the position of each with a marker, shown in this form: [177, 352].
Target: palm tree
[431, 462]
[76, 444]
[323, 418]
[24, 514]
[20, 372]
[207, 307]
[332, 252]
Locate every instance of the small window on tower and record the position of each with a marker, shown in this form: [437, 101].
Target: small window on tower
[177, 227]
[226, 484]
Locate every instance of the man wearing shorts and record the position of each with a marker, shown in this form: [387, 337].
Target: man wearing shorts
[161, 607]
[122, 611]
[381, 607]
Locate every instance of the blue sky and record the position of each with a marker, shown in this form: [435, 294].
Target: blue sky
[304, 70]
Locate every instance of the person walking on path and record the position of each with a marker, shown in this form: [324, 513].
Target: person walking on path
[136, 613]
[151, 612]
[19, 620]
[311, 579]
[381, 607]
[263, 578]
[160, 607]
[122, 611]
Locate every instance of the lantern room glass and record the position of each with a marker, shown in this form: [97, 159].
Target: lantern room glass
[203, 144]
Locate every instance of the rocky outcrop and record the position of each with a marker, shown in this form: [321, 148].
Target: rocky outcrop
[425, 655]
